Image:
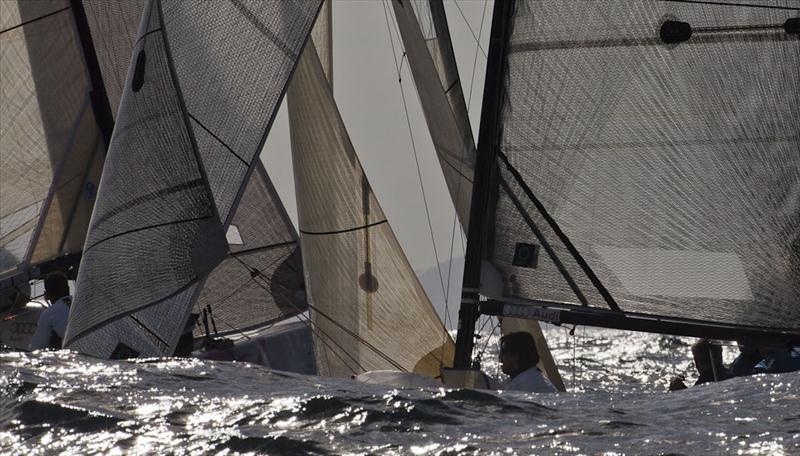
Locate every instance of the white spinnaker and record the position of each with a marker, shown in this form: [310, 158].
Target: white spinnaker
[369, 310]
[201, 93]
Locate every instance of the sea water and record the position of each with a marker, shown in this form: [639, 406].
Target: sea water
[65, 403]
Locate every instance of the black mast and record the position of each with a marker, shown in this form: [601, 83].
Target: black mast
[100, 104]
[485, 181]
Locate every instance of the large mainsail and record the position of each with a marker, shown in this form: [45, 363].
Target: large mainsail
[660, 139]
[368, 309]
[51, 142]
[202, 90]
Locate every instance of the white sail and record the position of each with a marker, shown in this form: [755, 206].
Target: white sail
[51, 148]
[369, 311]
[433, 66]
[202, 90]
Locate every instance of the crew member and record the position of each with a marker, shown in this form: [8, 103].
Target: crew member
[53, 321]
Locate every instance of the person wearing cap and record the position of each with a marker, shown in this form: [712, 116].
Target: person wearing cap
[53, 321]
[518, 359]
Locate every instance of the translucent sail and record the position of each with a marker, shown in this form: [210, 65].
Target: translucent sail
[202, 90]
[433, 65]
[261, 280]
[670, 161]
[114, 26]
[368, 309]
[50, 147]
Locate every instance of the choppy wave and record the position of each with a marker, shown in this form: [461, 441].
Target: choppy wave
[62, 402]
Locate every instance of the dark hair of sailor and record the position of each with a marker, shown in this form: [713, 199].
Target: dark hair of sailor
[523, 345]
[56, 286]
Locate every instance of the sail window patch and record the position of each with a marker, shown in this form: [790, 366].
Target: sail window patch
[678, 273]
[138, 71]
[233, 236]
[526, 255]
[673, 32]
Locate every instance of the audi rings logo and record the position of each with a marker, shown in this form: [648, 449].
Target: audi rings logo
[22, 327]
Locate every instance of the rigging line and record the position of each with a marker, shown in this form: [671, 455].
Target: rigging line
[488, 337]
[475, 60]
[414, 149]
[311, 325]
[461, 162]
[742, 5]
[147, 328]
[246, 163]
[470, 28]
[308, 321]
[35, 19]
[355, 336]
[235, 329]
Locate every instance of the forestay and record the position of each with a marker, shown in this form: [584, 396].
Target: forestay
[51, 148]
[426, 39]
[201, 92]
[368, 308]
[669, 161]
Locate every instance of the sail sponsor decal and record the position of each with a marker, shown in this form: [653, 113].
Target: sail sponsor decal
[529, 312]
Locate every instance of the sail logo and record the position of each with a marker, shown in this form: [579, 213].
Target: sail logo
[532, 313]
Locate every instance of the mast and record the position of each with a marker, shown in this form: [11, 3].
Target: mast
[100, 104]
[485, 182]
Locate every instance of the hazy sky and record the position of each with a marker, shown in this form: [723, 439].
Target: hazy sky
[370, 101]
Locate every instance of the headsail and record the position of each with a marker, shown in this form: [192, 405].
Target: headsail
[51, 145]
[426, 38]
[660, 139]
[368, 309]
[202, 90]
[261, 280]
[430, 55]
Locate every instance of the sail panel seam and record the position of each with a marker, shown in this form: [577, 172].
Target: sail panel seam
[146, 198]
[722, 37]
[106, 321]
[285, 48]
[36, 19]
[174, 222]
[324, 233]
[741, 5]
[219, 140]
[265, 247]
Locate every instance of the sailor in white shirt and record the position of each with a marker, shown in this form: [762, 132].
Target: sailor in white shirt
[53, 321]
[518, 358]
